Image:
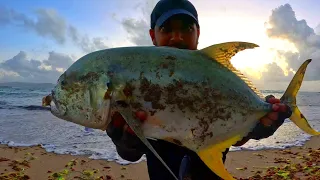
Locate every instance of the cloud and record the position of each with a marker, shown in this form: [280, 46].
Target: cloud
[58, 60]
[49, 24]
[5, 74]
[275, 73]
[138, 29]
[84, 42]
[283, 24]
[20, 68]
[317, 30]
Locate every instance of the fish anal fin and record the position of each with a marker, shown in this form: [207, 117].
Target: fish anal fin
[135, 125]
[223, 53]
[212, 157]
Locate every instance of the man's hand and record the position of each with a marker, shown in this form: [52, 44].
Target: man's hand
[128, 145]
[279, 114]
[270, 122]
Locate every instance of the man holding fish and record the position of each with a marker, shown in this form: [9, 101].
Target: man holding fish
[194, 103]
[175, 24]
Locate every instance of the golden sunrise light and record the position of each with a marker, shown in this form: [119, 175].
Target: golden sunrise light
[250, 61]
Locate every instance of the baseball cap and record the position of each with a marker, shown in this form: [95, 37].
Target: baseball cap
[165, 9]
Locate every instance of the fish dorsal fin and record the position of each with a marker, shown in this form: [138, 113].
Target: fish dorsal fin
[223, 53]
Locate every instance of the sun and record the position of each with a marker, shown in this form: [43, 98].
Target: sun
[253, 61]
[247, 29]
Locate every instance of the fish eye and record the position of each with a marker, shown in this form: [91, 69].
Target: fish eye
[63, 82]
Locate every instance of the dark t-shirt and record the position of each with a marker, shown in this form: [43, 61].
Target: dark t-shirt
[173, 154]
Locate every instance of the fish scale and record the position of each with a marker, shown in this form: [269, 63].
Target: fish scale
[194, 98]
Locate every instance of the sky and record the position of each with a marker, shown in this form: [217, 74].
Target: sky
[41, 39]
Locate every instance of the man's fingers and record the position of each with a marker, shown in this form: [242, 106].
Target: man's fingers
[270, 118]
[115, 128]
[117, 120]
[283, 108]
[141, 115]
[273, 100]
[279, 107]
[266, 121]
[275, 107]
[273, 116]
[130, 131]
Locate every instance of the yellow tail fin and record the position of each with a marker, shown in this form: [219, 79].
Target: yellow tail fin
[289, 98]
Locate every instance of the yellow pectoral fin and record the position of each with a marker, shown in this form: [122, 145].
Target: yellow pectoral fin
[212, 157]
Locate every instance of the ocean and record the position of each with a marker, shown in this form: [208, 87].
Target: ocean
[23, 122]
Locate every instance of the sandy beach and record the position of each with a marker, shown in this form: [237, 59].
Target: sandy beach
[35, 163]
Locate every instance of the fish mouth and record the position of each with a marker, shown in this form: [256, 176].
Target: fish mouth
[46, 100]
[50, 101]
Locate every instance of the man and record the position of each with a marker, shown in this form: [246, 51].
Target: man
[174, 23]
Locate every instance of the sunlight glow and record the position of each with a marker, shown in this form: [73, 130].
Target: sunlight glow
[4, 73]
[45, 67]
[251, 61]
[60, 70]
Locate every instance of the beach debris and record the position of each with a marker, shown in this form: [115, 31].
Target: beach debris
[258, 154]
[83, 161]
[243, 168]
[308, 168]
[2, 159]
[196, 99]
[59, 175]
[19, 167]
[15, 176]
[70, 171]
[71, 163]
[286, 151]
[15, 164]
[282, 160]
[29, 156]
[108, 177]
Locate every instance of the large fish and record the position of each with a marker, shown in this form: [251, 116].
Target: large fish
[194, 98]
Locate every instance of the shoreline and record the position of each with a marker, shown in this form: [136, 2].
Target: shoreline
[34, 162]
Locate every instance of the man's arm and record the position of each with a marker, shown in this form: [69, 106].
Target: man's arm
[269, 124]
[128, 145]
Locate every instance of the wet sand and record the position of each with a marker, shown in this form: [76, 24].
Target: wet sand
[35, 163]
